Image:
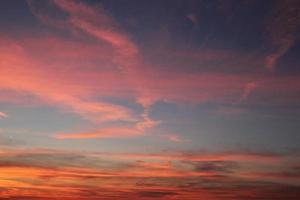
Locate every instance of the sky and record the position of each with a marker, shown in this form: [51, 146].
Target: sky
[172, 100]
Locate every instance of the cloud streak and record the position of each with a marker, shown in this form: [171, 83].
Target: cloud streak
[3, 115]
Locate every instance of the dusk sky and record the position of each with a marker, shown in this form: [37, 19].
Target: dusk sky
[149, 99]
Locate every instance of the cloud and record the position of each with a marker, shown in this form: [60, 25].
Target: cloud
[96, 22]
[99, 63]
[48, 70]
[40, 172]
[174, 138]
[229, 110]
[193, 18]
[138, 129]
[3, 115]
[52, 86]
[44, 12]
[102, 133]
[156, 194]
[249, 88]
[216, 166]
[111, 132]
[103, 42]
[282, 30]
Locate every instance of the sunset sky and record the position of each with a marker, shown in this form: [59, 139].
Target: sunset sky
[149, 99]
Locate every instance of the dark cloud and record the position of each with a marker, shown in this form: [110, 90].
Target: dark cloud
[156, 194]
[216, 166]
[58, 159]
[7, 141]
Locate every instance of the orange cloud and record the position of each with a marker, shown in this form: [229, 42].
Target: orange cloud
[103, 133]
[38, 173]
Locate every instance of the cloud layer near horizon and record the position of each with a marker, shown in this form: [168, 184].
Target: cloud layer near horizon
[40, 172]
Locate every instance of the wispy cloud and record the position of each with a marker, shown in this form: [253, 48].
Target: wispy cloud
[193, 18]
[175, 138]
[102, 133]
[65, 83]
[282, 30]
[27, 76]
[112, 132]
[249, 88]
[3, 115]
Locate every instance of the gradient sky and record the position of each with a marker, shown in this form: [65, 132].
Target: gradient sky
[140, 99]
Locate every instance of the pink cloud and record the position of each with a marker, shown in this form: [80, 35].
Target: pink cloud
[125, 54]
[174, 138]
[284, 22]
[138, 129]
[271, 60]
[74, 87]
[26, 75]
[3, 115]
[249, 88]
[109, 64]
